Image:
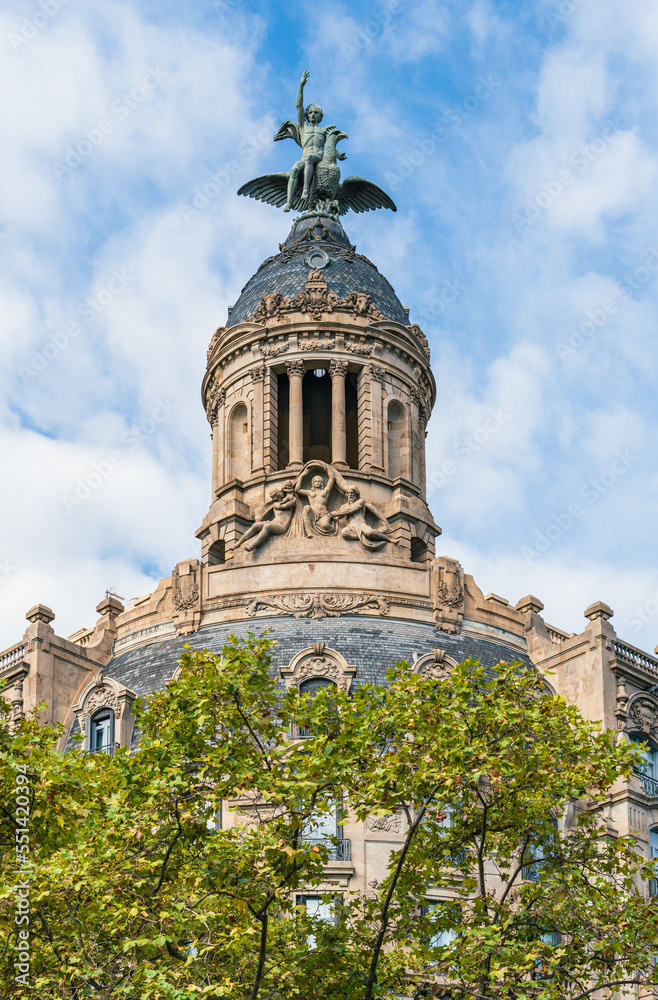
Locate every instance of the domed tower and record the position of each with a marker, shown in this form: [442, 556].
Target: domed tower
[318, 391]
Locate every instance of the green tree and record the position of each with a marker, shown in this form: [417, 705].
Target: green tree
[139, 888]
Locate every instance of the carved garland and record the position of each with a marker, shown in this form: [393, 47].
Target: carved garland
[315, 299]
[316, 605]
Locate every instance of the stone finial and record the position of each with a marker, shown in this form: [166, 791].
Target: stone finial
[110, 606]
[40, 613]
[598, 610]
[529, 604]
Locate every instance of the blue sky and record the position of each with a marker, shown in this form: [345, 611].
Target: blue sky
[520, 144]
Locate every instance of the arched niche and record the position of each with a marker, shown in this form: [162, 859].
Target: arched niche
[397, 443]
[239, 443]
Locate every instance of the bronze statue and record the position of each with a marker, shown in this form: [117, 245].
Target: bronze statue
[321, 191]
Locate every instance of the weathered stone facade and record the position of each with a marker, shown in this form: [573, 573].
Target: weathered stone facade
[318, 392]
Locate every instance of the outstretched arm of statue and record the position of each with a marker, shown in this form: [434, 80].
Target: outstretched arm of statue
[300, 100]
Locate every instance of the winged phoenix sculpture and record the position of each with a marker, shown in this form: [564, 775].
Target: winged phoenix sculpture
[313, 184]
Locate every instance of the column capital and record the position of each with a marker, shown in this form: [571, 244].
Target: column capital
[338, 369]
[294, 368]
[258, 373]
[377, 373]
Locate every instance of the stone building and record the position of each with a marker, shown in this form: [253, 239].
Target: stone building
[318, 390]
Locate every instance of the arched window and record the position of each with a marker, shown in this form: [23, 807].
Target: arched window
[397, 447]
[648, 769]
[314, 685]
[653, 848]
[239, 450]
[101, 732]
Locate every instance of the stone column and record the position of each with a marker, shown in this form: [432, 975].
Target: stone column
[377, 375]
[338, 372]
[295, 370]
[217, 417]
[258, 418]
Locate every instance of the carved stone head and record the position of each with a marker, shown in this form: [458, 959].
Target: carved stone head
[317, 482]
[313, 114]
[353, 493]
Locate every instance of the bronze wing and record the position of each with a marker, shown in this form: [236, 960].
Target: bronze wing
[271, 188]
[289, 130]
[362, 196]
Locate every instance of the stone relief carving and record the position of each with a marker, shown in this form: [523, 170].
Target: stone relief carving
[643, 715]
[391, 823]
[185, 591]
[377, 373]
[258, 373]
[316, 345]
[318, 661]
[316, 605]
[214, 399]
[315, 299]
[418, 333]
[448, 594]
[304, 510]
[216, 337]
[255, 815]
[274, 351]
[435, 665]
[364, 350]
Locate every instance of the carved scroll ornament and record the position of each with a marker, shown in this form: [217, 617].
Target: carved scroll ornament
[643, 715]
[315, 299]
[316, 605]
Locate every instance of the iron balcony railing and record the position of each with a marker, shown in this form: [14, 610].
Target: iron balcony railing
[109, 748]
[649, 784]
[342, 851]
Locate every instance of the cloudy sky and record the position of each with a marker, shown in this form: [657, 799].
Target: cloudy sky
[520, 142]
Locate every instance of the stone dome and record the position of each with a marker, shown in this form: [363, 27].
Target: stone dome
[317, 242]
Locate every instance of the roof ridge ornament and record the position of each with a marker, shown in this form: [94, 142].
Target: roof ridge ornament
[312, 185]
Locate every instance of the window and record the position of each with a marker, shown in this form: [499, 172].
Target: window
[325, 829]
[311, 688]
[648, 769]
[653, 848]
[240, 451]
[318, 909]
[397, 451]
[532, 871]
[441, 938]
[101, 734]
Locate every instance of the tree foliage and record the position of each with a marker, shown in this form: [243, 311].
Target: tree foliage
[506, 882]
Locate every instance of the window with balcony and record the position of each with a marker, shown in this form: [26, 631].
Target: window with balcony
[648, 769]
[101, 732]
[653, 848]
[326, 830]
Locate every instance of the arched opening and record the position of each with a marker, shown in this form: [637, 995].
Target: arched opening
[217, 553]
[396, 438]
[311, 688]
[419, 550]
[351, 421]
[239, 450]
[283, 420]
[316, 395]
[101, 731]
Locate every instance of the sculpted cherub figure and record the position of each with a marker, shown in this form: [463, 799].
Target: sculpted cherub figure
[357, 528]
[316, 517]
[282, 503]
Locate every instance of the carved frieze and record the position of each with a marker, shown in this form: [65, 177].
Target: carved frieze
[364, 350]
[315, 299]
[316, 605]
[274, 350]
[448, 594]
[316, 345]
[391, 823]
[318, 661]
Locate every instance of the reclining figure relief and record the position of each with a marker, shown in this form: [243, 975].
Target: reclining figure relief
[300, 510]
